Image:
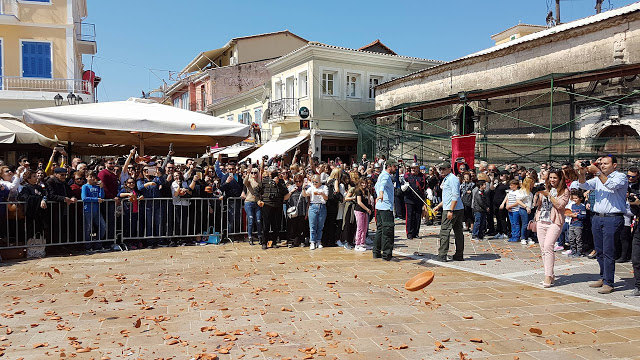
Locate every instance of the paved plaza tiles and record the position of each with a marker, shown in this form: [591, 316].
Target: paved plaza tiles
[237, 301]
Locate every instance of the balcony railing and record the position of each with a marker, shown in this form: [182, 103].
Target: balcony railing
[9, 7]
[280, 108]
[85, 32]
[77, 86]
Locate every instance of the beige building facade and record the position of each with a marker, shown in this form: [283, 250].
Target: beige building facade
[41, 48]
[332, 83]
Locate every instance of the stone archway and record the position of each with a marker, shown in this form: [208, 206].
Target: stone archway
[620, 140]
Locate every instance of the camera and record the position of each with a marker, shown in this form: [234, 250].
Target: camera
[632, 197]
[585, 163]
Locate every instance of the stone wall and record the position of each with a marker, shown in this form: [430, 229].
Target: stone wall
[504, 133]
[232, 80]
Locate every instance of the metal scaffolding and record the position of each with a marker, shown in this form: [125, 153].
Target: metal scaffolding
[554, 118]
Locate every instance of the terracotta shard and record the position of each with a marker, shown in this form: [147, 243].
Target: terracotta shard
[419, 281]
[89, 293]
[536, 331]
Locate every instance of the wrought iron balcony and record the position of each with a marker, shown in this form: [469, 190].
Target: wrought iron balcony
[85, 32]
[77, 86]
[280, 108]
[9, 7]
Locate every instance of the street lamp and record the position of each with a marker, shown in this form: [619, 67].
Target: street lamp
[58, 99]
[71, 99]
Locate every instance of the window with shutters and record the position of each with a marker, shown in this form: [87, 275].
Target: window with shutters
[36, 59]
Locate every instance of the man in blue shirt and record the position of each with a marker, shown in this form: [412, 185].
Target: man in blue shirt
[610, 189]
[452, 215]
[150, 214]
[383, 242]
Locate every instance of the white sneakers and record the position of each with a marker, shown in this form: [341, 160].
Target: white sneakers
[523, 242]
[360, 248]
[312, 246]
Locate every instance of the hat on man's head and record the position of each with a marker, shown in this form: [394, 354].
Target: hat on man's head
[422, 167]
[60, 170]
[391, 162]
[415, 164]
[444, 165]
[504, 172]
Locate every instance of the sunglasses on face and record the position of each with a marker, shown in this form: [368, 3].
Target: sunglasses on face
[254, 173]
[632, 176]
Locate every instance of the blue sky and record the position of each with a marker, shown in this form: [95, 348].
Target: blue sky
[140, 41]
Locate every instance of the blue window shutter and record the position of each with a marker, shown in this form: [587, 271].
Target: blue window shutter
[36, 59]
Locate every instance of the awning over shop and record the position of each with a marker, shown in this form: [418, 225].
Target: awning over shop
[135, 122]
[276, 147]
[13, 131]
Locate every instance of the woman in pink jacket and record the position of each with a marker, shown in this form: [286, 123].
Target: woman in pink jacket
[549, 219]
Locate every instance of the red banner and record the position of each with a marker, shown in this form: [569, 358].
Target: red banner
[463, 151]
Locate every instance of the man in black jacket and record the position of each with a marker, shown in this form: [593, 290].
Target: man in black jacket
[480, 206]
[413, 190]
[274, 193]
[59, 193]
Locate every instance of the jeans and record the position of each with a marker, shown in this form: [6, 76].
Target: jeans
[480, 224]
[524, 221]
[384, 240]
[181, 214]
[152, 218]
[94, 218]
[547, 236]
[234, 216]
[317, 216]
[604, 230]
[254, 216]
[564, 234]
[445, 233]
[514, 219]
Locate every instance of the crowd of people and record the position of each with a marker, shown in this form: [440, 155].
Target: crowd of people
[580, 209]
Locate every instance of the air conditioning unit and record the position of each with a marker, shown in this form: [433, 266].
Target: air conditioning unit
[233, 60]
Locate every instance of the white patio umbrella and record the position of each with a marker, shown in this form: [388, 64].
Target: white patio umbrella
[13, 131]
[134, 122]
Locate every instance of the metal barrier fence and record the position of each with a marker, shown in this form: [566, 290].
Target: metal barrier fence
[112, 222]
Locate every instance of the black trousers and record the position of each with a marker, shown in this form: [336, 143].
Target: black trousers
[635, 257]
[502, 221]
[623, 244]
[271, 221]
[296, 230]
[491, 228]
[330, 230]
[399, 207]
[383, 242]
[414, 214]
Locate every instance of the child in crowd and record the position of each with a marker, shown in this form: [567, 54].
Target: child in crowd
[578, 214]
[92, 197]
[480, 205]
[510, 203]
[129, 194]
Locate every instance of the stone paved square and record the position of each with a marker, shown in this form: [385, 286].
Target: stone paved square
[237, 301]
